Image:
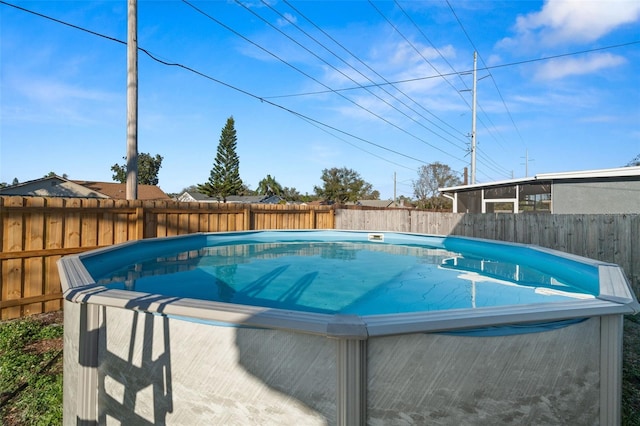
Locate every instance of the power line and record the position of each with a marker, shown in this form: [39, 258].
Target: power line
[364, 76]
[361, 149]
[386, 83]
[230, 86]
[297, 114]
[490, 74]
[485, 68]
[472, 148]
[345, 75]
[310, 120]
[406, 39]
[410, 43]
[314, 79]
[64, 23]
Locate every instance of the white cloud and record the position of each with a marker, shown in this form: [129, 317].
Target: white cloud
[287, 20]
[561, 99]
[572, 21]
[46, 100]
[57, 92]
[563, 67]
[599, 119]
[403, 55]
[321, 153]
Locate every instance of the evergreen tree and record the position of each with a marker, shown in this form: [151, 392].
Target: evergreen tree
[224, 179]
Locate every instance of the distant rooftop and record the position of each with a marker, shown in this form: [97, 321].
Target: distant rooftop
[584, 174]
[118, 191]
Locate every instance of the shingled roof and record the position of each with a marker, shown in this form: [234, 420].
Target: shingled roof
[118, 191]
[56, 186]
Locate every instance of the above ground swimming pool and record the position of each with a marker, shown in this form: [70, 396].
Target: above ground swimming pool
[341, 327]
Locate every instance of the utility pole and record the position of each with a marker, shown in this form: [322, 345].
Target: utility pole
[473, 120]
[395, 199]
[132, 101]
[526, 163]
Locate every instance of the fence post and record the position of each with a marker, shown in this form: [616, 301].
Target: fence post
[140, 223]
[247, 218]
[312, 218]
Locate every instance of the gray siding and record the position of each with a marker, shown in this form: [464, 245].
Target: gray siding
[596, 197]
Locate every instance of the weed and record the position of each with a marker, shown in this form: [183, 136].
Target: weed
[631, 372]
[30, 372]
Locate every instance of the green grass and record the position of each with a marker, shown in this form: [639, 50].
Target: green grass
[31, 372]
[631, 372]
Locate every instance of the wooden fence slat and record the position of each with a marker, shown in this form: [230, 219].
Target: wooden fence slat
[33, 267]
[12, 271]
[72, 225]
[105, 223]
[54, 240]
[89, 224]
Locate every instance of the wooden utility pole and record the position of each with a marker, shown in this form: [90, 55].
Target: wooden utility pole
[132, 101]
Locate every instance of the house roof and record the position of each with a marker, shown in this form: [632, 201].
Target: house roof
[50, 186]
[375, 203]
[56, 186]
[245, 199]
[194, 196]
[118, 191]
[584, 174]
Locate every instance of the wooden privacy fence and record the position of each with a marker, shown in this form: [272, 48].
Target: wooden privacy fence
[37, 231]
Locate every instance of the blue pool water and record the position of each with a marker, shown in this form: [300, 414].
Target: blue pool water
[348, 277]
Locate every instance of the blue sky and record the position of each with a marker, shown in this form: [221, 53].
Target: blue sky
[380, 87]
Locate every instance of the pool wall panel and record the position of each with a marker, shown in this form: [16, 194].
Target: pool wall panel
[160, 370]
[437, 379]
[70, 362]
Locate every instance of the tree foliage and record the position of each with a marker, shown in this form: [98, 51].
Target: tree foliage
[634, 162]
[247, 191]
[291, 194]
[343, 185]
[224, 179]
[5, 184]
[269, 186]
[54, 174]
[430, 178]
[148, 169]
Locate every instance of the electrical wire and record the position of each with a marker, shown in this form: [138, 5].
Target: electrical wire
[406, 39]
[230, 86]
[395, 28]
[378, 116]
[317, 123]
[369, 79]
[490, 74]
[486, 68]
[459, 75]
